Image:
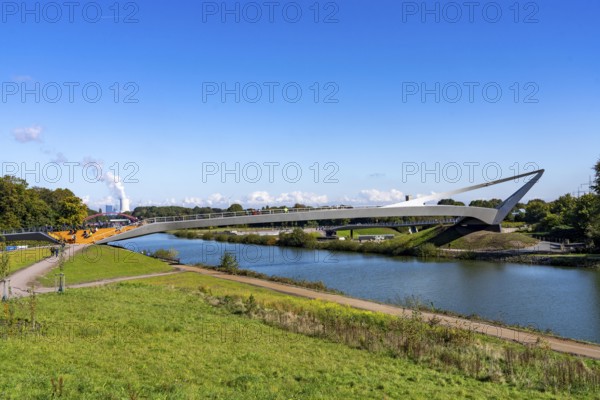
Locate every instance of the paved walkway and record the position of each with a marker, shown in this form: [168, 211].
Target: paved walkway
[21, 280]
[106, 281]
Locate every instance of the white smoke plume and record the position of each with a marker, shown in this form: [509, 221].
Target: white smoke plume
[116, 187]
[112, 181]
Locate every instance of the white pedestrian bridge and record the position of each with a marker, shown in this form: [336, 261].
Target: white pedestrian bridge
[418, 207]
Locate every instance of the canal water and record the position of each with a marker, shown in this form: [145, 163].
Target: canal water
[564, 300]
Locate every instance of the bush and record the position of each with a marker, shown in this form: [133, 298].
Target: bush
[298, 238]
[427, 250]
[221, 237]
[229, 263]
[164, 254]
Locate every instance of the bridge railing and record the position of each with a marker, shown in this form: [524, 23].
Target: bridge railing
[231, 214]
[225, 214]
[26, 230]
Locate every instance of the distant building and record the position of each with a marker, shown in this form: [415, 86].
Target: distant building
[109, 209]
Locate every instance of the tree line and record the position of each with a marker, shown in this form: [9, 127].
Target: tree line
[22, 206]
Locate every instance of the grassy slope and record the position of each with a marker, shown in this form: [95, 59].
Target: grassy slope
[419, 238]
[275, 300]
[103, 262]
[442, 236]
[155, 341]
[23, 258]
[493, 241]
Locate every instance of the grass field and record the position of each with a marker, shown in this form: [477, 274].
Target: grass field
[368, 231]
[160, 338]
[20, 259]
[103, 262]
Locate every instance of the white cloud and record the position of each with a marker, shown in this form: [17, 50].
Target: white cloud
[302, 198]
[379, 196]
[254, 199]
[28, 134]
[216, 199]
[262, 198]
[193, 202]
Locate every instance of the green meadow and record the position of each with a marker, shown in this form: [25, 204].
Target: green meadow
[20, 259]
[96, 263]
[159, 340]
[194, 336]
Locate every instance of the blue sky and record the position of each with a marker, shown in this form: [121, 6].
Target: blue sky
[385, 86]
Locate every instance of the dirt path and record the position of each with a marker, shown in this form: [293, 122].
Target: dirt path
[562, 345]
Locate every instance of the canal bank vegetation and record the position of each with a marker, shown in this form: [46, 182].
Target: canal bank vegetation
[444, 242]
[189, 336]
[428, 344]
[555, 260]
[434, 242]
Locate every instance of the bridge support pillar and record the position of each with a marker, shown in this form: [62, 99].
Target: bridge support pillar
[351, 233]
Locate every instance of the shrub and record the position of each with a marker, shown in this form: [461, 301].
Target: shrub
[427, 250]
[298, 238]
[164, 254]
[229, 263]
